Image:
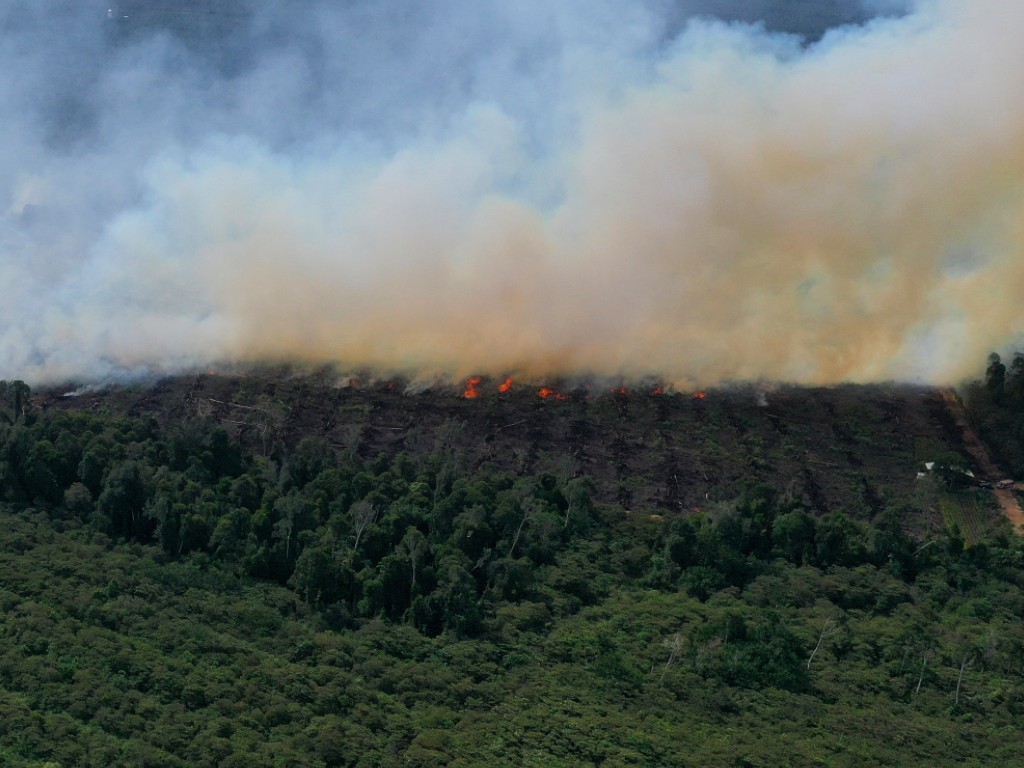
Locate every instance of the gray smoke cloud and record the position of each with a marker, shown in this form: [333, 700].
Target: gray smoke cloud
[704, 191]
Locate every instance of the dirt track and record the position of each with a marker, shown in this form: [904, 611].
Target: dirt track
[983, 462]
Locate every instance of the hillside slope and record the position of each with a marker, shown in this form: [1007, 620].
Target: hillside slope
[262, 570]
[856, 448]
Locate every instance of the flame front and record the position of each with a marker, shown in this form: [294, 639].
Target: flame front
[506, 385]
[547, 392]
[472, 392]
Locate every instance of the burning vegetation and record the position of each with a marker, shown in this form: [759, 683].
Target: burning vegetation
[472, 390]
[476, 387]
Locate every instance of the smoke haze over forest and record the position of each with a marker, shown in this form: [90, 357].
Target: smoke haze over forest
[699, 191]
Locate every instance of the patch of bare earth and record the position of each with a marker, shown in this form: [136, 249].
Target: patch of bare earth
[983, 462]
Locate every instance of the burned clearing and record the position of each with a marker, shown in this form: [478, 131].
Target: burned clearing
[852, 448]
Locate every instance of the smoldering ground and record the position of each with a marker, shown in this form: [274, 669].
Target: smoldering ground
[682, 190]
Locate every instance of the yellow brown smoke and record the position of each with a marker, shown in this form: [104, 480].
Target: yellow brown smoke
[723, 206]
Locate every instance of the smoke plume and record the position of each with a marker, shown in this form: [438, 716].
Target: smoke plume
[628, 189]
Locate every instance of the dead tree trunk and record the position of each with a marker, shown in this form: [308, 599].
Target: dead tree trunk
[825, 630]
[965, 664]
[920, 677]
[519, 530]
[363, 514]
[674, 645]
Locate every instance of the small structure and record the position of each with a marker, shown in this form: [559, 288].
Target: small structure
[953, 476]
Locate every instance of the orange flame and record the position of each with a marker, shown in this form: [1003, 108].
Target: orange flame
[699, 395]
[658, 391]
[548, 392]
[620, 391]
[506, 385]
[471, 390]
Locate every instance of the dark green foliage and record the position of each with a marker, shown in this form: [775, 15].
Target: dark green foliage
[14, 396]
[767, 654]
[793, 536]
[996, 408]
[122, 503]
[995, 378]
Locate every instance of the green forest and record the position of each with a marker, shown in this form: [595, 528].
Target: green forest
[185, 585]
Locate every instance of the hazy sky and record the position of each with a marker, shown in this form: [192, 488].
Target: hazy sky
[703, 191]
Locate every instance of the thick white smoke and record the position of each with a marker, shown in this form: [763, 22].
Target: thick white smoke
[455, 187]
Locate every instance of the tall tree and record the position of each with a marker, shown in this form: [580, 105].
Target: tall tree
[415, 546]
[995, 377]
[123, 501]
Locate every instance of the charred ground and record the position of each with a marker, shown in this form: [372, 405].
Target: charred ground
[852, 448]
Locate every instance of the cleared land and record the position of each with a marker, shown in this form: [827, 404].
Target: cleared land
[984, 466]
